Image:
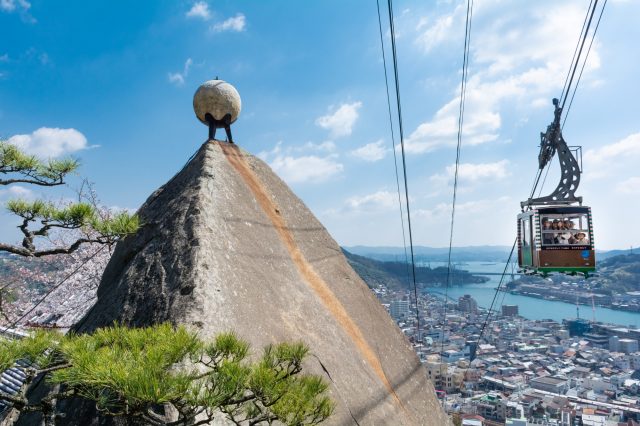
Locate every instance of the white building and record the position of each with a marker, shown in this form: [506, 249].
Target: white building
[399, 309]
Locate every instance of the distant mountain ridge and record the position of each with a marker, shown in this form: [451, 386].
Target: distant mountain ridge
[395, 275]
[434, 254]
[458, 254]
[606, 254]
[620, 273]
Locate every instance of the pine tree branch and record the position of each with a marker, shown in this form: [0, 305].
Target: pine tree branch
[32, 252]
[203, 421]
[154, 420]
[66, 250]
[264, 418]
[15, 250]
[53, 368]
[242, 400]
[27, 241]
[47, 226]
[34, 181]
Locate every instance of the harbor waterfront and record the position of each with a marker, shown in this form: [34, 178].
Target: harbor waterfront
[529, 307]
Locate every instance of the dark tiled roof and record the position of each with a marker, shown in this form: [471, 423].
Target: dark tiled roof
[11, 381]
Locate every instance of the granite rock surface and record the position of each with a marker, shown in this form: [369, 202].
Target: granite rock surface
[227, 246]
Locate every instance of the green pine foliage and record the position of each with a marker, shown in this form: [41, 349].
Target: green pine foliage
[75, 216]
[34, 350]
[130, 372]
[116, 227]
[31, 169]
[40, 218]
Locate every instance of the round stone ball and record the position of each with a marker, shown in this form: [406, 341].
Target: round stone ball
[218, 98]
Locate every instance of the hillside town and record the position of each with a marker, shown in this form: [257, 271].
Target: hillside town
[497, 369]
[502, 369]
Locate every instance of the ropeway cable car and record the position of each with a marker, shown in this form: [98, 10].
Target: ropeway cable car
[544, 248]
[555, 232]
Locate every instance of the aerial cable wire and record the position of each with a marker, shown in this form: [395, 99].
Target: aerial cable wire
[545, 178]
[404, 162]
[463, 95]
[393, 145]
[567, 88]
[493, 301]
[495, 295]
[565, 93]
[584, 23]
[575, 67]
[504, 292]
[595, 30]
[571, 74]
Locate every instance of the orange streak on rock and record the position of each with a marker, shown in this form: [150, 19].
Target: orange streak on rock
[305, 269]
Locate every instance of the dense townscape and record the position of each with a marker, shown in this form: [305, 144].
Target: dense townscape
[522, 372]
[486, 369]
[51, 293]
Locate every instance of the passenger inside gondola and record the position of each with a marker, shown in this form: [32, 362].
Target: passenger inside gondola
[564, 231]
[547, 232]
[564, 237]
[581, 238]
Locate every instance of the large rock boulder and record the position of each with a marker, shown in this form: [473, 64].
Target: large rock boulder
[226, 245]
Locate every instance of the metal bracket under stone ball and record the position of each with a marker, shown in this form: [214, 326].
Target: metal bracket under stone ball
[219, 124]
[217, 104]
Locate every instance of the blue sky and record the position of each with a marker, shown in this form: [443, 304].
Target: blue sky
[111, 82]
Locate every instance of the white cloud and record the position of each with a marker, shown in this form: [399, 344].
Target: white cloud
[18, 192]
[12, 5]
[326, 146]
[469, 173]
[323, 147]
[627, 146]
[50, 142]
[266, 155]
[441, 30]
[481, 125]
[236, 24]
[378, 201]
[310, 167]
[199, 10]
[629, 186]
[463, 209]
[340, 122]
[178, 78]
[598, 161]
[514, 62]
[371, 152]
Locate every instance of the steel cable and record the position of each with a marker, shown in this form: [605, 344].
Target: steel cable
[463, 94]
[393, 145]
[404, 162]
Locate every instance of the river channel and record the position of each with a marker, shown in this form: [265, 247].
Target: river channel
[529, 307]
